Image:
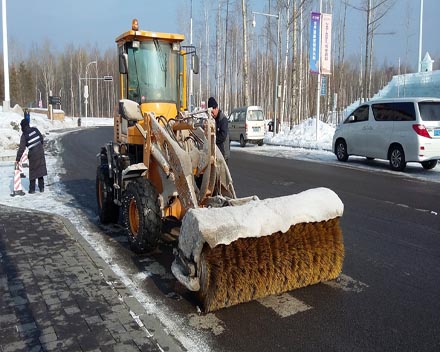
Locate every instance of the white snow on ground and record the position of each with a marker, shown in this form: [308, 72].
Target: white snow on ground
[55, 200]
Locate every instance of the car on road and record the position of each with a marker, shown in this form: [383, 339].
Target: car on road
[247, 125]
[400, 130]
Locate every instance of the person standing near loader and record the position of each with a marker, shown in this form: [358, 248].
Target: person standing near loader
[27, 115]
[221, 128]
[33, 140]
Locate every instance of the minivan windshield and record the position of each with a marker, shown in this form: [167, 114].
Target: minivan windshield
[429, 111]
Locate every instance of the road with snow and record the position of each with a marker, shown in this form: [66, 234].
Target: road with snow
[386, 298]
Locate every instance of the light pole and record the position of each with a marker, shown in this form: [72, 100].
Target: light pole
[191, 77]
[86, 86]
[275, 103]
[420, 37]
[7, 101]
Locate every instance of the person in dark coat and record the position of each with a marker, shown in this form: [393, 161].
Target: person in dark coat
[33, 140]
[221, 128]
[27, 115]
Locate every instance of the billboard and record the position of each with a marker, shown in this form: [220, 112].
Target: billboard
[326, 43]
[315, 24]
[320, 43]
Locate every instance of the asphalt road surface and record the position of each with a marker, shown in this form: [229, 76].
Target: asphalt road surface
[387, 298]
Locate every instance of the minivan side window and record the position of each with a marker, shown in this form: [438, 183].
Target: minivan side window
[394, 111]
[242, 116]
[360, 114]
[429, 111]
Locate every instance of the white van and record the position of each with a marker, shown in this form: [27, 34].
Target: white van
[400, 130]
[246, 124]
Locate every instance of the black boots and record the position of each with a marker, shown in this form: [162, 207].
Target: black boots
[40, 185]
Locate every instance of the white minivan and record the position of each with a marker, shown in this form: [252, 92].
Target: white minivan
[247, 124]
[400, 130]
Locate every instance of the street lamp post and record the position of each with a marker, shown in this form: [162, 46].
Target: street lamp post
[7, 101]
[420, 36]
[86, 86]
[275, 103]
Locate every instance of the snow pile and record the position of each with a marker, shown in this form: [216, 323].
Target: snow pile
[10, 130]
[304, 136]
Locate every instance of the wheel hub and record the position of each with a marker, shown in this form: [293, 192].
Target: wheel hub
[133, 216]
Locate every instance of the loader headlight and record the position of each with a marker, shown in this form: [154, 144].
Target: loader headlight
[176, 47]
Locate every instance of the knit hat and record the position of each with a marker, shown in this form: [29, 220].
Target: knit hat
[212, 103]
[24, 123]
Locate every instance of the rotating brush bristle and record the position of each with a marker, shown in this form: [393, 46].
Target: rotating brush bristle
[252, 268]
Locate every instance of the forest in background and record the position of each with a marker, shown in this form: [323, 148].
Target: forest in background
[237, 63]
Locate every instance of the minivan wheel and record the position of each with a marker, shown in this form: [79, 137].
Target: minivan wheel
[430, 164]
[341, 150]
[242, 141]
[397, 158]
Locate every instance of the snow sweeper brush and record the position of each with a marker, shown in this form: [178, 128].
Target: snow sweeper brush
[236, 254]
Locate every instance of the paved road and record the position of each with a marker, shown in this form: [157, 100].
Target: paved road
[386, 299]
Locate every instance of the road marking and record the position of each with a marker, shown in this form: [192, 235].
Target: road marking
[284, 305]
[432, 212]
[207, 322]
[346, 283]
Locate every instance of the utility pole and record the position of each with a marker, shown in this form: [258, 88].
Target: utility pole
[191, 78]
[420, 36]
[7, 101]
[318, 90]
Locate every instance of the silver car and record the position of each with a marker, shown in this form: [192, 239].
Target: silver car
[400, 130]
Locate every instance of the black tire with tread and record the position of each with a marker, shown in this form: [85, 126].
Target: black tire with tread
[242, 141]
[397, 158]
[341, 150]
[430, 164]
[108, 211]
[141, 214]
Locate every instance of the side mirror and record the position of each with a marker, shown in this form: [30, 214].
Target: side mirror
[195, 63]
[351, 118]
[123, 63]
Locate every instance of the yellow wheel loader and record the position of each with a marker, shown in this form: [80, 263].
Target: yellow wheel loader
[163, 164]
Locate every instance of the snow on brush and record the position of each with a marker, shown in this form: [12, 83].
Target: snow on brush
[255, 219]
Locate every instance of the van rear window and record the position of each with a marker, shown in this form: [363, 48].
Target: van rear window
[394, 111]
[255, 115]
[429, 111]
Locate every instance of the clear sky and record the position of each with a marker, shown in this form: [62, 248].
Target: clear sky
[98, 22]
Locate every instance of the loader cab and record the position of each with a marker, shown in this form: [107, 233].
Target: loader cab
[152, 70]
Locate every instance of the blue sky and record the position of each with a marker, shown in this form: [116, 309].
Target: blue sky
[98, 22]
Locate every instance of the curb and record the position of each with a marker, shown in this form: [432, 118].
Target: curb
[7, 157]
[142, 318]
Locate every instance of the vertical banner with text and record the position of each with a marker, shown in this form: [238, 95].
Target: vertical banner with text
[326, 43]
[314, 42]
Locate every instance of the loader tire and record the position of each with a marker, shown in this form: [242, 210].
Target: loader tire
[142, 218]
[108, 211]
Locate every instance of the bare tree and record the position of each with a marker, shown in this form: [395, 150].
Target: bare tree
[245, 54]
